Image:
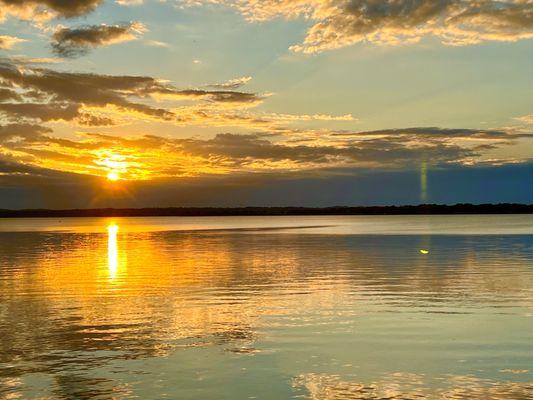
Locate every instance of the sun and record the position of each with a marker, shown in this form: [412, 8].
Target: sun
[113, 176]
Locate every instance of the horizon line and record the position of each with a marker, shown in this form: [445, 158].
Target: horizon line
[420, 209]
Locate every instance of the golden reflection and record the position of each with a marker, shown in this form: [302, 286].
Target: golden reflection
[164, 291]
[409, 386]
[112, 250]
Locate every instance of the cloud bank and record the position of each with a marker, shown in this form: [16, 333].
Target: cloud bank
[34, 99]
[47, 95]
[340, 23]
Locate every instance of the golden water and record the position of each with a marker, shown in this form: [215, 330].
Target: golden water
[267, 308]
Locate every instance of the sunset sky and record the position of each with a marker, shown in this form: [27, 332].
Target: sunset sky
[265, 102]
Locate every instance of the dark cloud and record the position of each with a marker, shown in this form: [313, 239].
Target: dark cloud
[11, 173]
[438, 133]
[63, 92]
[42, 112]
[8, 94]
[248, 149]
[218, 96]
[94, 120]
[233, 97]
[28, 132]
[86, 89]
[62, 8]
[74, 42]
[50, 112]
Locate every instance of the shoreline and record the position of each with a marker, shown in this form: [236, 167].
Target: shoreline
[423, 209]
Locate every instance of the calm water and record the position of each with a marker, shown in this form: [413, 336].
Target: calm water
[267, 308]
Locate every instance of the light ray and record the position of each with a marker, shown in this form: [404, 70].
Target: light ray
[423, 181]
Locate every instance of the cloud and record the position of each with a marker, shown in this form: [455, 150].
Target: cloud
[340, 23]
[28, 132]
[61, 93]
[45, 94]
[24, 60]
[9, 94]
[233, 83]
[7, 42]
[42, 112]
[78, 89]
[526, 119]
[31, 97]
[43, 10]
[217, 96]
[313, 117]
[129, 2]
[225, 96]
[237, 114]
[151, 156]
[156, 43]
[440, 133]
[253, 149]
[94, 120]
[75, 42]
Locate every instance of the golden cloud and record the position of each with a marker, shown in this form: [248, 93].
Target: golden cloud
[337, 24]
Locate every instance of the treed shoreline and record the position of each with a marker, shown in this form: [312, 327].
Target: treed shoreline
[423, 209]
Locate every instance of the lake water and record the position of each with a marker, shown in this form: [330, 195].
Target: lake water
[357, 307]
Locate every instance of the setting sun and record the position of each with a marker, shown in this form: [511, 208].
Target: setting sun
[113, 176]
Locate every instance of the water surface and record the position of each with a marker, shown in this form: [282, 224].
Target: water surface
[381, 307]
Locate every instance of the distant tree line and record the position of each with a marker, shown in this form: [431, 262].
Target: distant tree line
[423, 209]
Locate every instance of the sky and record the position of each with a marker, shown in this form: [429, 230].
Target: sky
[132, 103]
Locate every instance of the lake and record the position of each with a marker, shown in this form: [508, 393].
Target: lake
[329, 307]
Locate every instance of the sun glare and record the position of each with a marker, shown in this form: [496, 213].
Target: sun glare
[113, 176]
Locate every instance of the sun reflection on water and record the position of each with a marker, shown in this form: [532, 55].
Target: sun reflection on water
[112, 250]
[244, 301]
